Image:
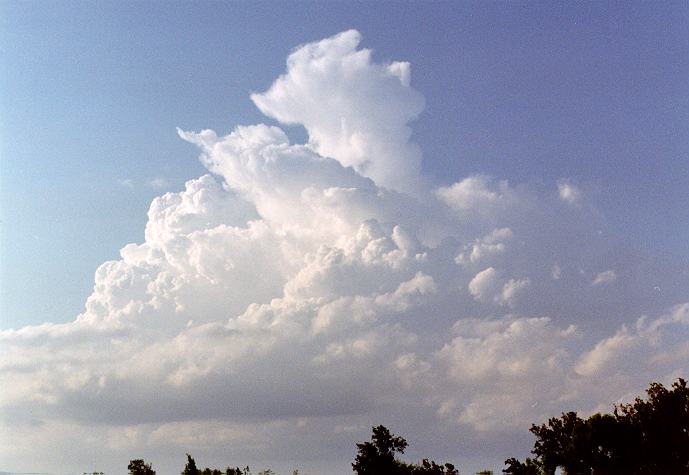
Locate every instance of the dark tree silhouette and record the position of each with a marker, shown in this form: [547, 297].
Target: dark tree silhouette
[646, 437]
[530, 467]
[378, 457]
[431, 468]
[236, 471]
[190, 467]
[139, 467]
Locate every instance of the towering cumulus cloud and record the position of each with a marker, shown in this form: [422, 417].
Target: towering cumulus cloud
[355, 111]
[299, 293]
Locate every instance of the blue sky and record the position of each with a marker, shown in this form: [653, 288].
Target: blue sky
[540, 262]
[598, 93]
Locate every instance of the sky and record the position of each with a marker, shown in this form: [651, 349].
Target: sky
[251, 231]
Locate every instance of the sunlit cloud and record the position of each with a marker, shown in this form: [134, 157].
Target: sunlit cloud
[330, 284]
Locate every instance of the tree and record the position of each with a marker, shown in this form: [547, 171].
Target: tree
[646, 437]
[659, 429]
[431, 468]
[378, 457]
[190, 467]
[139, 467]
[530, 467]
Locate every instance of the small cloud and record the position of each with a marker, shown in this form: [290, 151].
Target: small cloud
[159, 183]
[487, 285]
[484, 283]
[489, 245]
[607, 277]
[511, 290]
[555, 272]
[474, 192]
[126, 182]
[568, 192]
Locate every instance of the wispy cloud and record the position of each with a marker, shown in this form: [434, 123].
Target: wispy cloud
[158, 183]
[126, 182]
[606, 277]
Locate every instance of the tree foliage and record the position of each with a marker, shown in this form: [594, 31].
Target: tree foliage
[378, 457]
[139, 467]
[190, 467]
[646, 437]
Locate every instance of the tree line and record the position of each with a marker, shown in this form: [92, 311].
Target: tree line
[646, 437]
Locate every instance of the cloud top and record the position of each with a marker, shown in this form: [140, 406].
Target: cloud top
[354, 110]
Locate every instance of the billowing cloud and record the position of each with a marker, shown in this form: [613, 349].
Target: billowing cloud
[485, 247]
[489, 285]
[528, 355]
[355, 111]
[484, 284]
[317, 289]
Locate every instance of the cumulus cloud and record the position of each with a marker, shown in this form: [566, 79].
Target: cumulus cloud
[648, 346]
[529, 355]
[484, 284]
[355, 111]
[568, 192]
[312, 289]
[158, 183]
[512, 289]
[476, 193]
[489, 285]
[485, 247]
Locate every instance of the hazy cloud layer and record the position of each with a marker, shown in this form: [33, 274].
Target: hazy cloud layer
[317, 289]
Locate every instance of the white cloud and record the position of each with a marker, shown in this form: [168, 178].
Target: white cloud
[490, 245]
[649, 345]
[482, 203]
[488, 285]
[158, 183]
[475, 193]
[512, 289]
[300, 287]
[374, 104]
[484, 284]
[527, 355]
[606, 277]
[568, 192]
